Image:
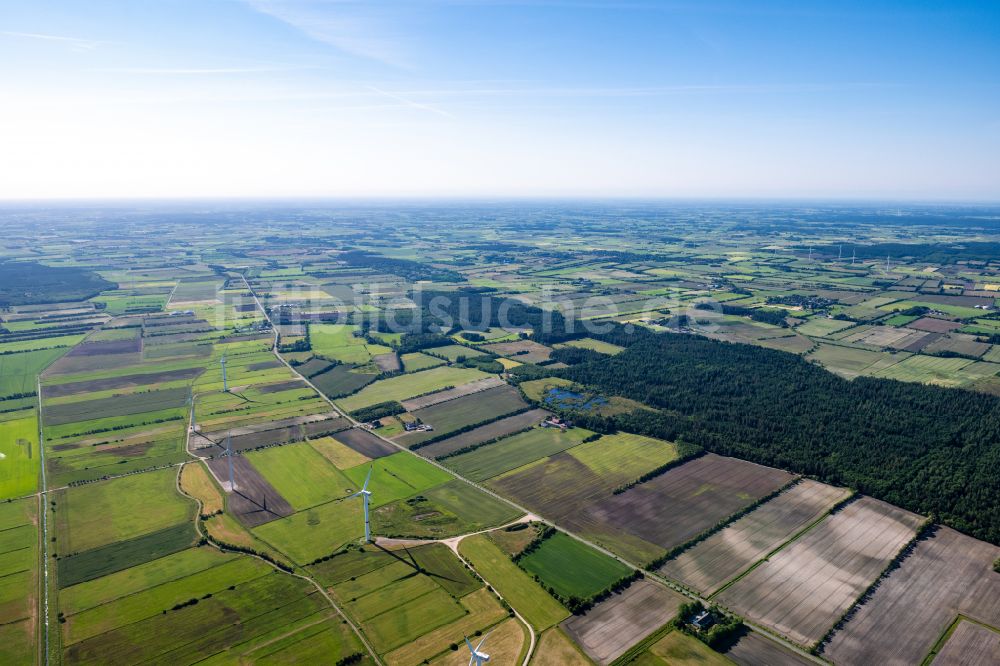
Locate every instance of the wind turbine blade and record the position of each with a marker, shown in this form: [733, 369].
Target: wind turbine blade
[472, 658]
[471, 649]
[358, 494]
[368, 478]
[484, 640]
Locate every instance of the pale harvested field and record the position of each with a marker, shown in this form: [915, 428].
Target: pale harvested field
[754, 649]
[554, 648]
[970, 645]
[730, 552]
[611, 627]
[504, 645]
[947, 574]
[807, 586]
[450, 394]
[678, 505]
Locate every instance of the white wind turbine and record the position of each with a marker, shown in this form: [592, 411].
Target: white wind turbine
[478, 658]
[365, 494]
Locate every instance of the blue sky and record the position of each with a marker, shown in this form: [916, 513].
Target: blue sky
[188, 98]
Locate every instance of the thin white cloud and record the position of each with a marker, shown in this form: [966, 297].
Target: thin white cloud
[194, 71]
[75, 43]
[356, 28]
[409, 102]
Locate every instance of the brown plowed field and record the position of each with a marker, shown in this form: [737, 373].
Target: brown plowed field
[365, 443]
[728, 553]
[611, 627]
[803, 589]
[255, 501]
[970, 645]
[126, 381]
[678, 505]
[948, 573]
[754, 649]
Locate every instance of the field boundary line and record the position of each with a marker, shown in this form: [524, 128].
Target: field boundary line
[44, 531]
[925, 530]
[949, 630]
[677, 551]
[795, 537]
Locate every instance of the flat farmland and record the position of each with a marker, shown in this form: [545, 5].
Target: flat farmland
[537, 606]
[255, 501]
[507, 646]
[482, 611]
[729, 552]
[753, 649]
[468, 388]
[300, 474]
[679, 649]
[554, 648]
[611, 627]
[126, 405]
[804, 588]
[947, 574]
[571, 567]
[500, 428]
[514, 451]
[970, 644]
[465, 411]
[18, 581]
[527, 351]
[101, 513]
[676, 506]
[454, 352]
[397, 477]
[256, 609]
[21, 460]
[365, 443]
[315, 532]
[561, 484]
[402, 387]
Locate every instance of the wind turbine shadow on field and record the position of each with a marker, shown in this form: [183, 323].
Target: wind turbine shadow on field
[410, 561]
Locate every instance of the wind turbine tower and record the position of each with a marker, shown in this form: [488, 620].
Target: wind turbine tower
[854, 253]
[840, 252]
[225, 385]
[478, 657]
[229, 455]
[365, 494]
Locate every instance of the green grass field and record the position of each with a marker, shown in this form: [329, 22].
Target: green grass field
[300, 474]
[537, 606]
[514, 451]
[417, 361]
[18, 581]
[338, 341]
[572, 568]
[18, 371]
[154, 600]
[409, 385]
[595, 345]
[315, 532]
[398, 476]
[19, 457]
[102, 513]
[265, 607]
[102, 590]
[624, 455]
